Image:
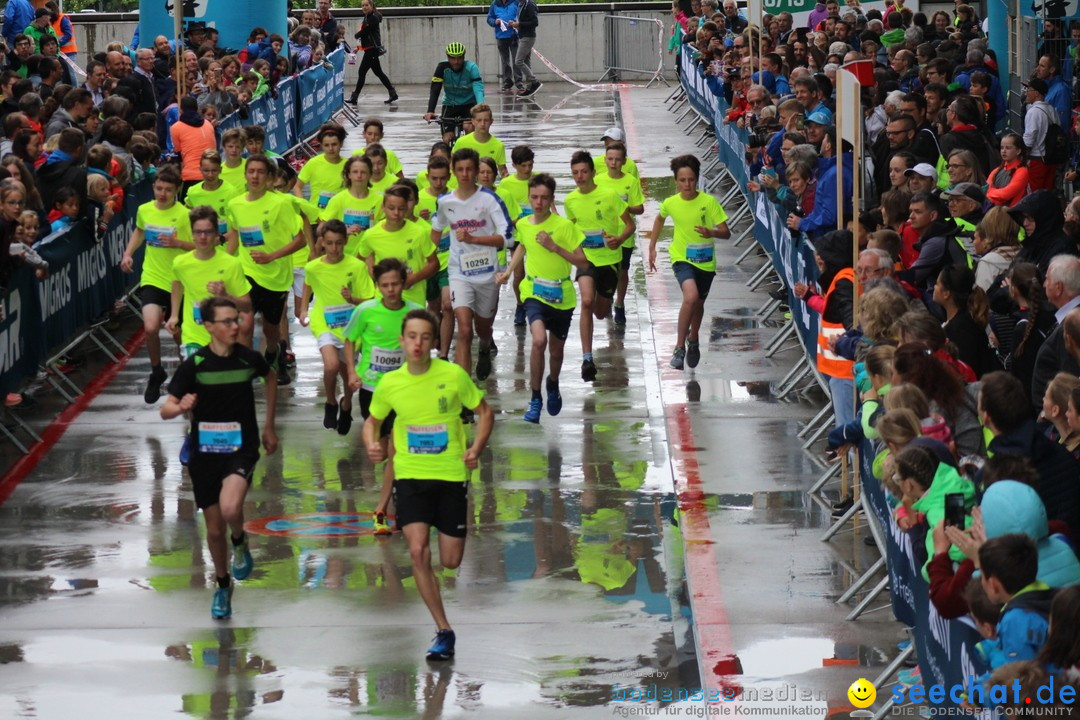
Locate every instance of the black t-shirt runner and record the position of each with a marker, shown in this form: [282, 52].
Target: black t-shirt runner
[223, 420]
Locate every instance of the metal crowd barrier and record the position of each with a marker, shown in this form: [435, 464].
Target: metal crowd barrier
[633, 45]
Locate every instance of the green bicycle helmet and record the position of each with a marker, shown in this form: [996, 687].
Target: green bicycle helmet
[455, 49]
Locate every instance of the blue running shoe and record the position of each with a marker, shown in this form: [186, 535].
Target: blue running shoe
[185, 450]
[533, 413]
[443, 649]
[222, 605]
[242, 563]
[554, 402]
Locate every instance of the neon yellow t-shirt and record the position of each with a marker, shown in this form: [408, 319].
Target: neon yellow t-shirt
[393, 165]
[493, 148]
[517, 189]
[687, 245]
[428, 433]
[358, 214]
[193, 275]
[629, 167]
[331, 312]
[596, 213]
[422, 181]
[411, 244]
[547, 275]
[156, 224]
[304, 209]
[428, 202]
[235, 176]
[323, 179]
[381, 186]
[628, 188]
[218, 199]
[267, 224]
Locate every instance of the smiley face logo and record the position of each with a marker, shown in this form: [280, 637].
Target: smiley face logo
[862, 693]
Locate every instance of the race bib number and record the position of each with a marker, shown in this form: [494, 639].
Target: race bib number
[324, 199]
[156, 235]
[427, 439]
[477, 262]
[337, 316]
[549, 291]
[361, 218]
[383, 360]
[594, 240]
[251, 236]
[222, 227]
[700, 252]
[220, 437]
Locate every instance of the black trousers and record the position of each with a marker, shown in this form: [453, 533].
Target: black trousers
[371, 62]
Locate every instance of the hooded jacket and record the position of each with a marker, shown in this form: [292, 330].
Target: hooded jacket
[507, 11]
[818, 14]
[1058, 471]
[1009, 506]
[65, 173]
[937, 248]
[1049, 238]
[932, 504]
[1024, 623]
[967, 137]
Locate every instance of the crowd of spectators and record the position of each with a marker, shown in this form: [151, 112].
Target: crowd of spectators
[965, 351]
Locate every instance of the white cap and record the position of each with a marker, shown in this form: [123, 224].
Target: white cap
[614, 133]
[924, 169]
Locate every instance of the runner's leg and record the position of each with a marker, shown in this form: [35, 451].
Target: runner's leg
[418, 536]
[536, 357]
[463, 351]
[690, 300]
[587, 285]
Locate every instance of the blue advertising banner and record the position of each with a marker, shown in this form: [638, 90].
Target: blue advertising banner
[276, 115]
[322, 93]
[945, 647]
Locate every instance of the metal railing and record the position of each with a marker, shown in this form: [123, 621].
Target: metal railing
[633, 45]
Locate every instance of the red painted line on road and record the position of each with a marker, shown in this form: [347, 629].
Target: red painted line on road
[56, 429]
[717, 661]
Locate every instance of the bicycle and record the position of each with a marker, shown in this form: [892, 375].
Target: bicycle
[452, 126]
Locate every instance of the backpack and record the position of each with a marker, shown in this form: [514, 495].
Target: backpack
[1056, 145]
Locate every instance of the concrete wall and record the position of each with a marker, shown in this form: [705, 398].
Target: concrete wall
[573, 41]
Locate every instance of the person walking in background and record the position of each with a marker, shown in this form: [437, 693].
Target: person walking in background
[370, 39]
[500, 16]
[527, 20]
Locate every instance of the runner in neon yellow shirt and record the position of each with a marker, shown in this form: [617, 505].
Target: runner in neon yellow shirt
[163, 223]
[627, 187]
[269, 231]
[438, 290]
[397, 237]
[324, 173]
[517, 185]
[606, 222]
[232, 169]
[207, 271]
[373, 135]
[699, 222]
[486, 176]
[548, 245]
[357, 207]
[438, 149]
[308, 213]
[340, 283]
[212, 191]
[432, 461]
[375, 330]
[481, 140]
[610, 136]
[381, 179]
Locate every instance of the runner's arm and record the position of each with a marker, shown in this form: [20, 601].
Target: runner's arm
[176, 299]
[515, 262]
[232, 242]
[629, 227]
[430, 268]
[127, 263]
[485, 420]
[305, 299]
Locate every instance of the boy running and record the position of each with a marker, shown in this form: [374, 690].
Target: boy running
[699, 222]
[232, 169]
[409, 242]
[340, 283]
[549, 245]
[481, 140]
[212, 191]
[517, 185]
[627, 187]
[438, 294]
[164, 225]
[323, 173]
[605, 220]
[432, 462]
[375, 330]
[215, 386]
[479, 227]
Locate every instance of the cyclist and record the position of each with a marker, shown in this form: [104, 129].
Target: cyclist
[461, 85]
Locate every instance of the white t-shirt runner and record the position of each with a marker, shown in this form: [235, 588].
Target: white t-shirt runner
[481, 214]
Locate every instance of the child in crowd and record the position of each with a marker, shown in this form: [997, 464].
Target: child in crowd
[1055, 410]
[65, 209]
[1009, 565]
[99, 197]
[1061, 653]
[26, 233]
